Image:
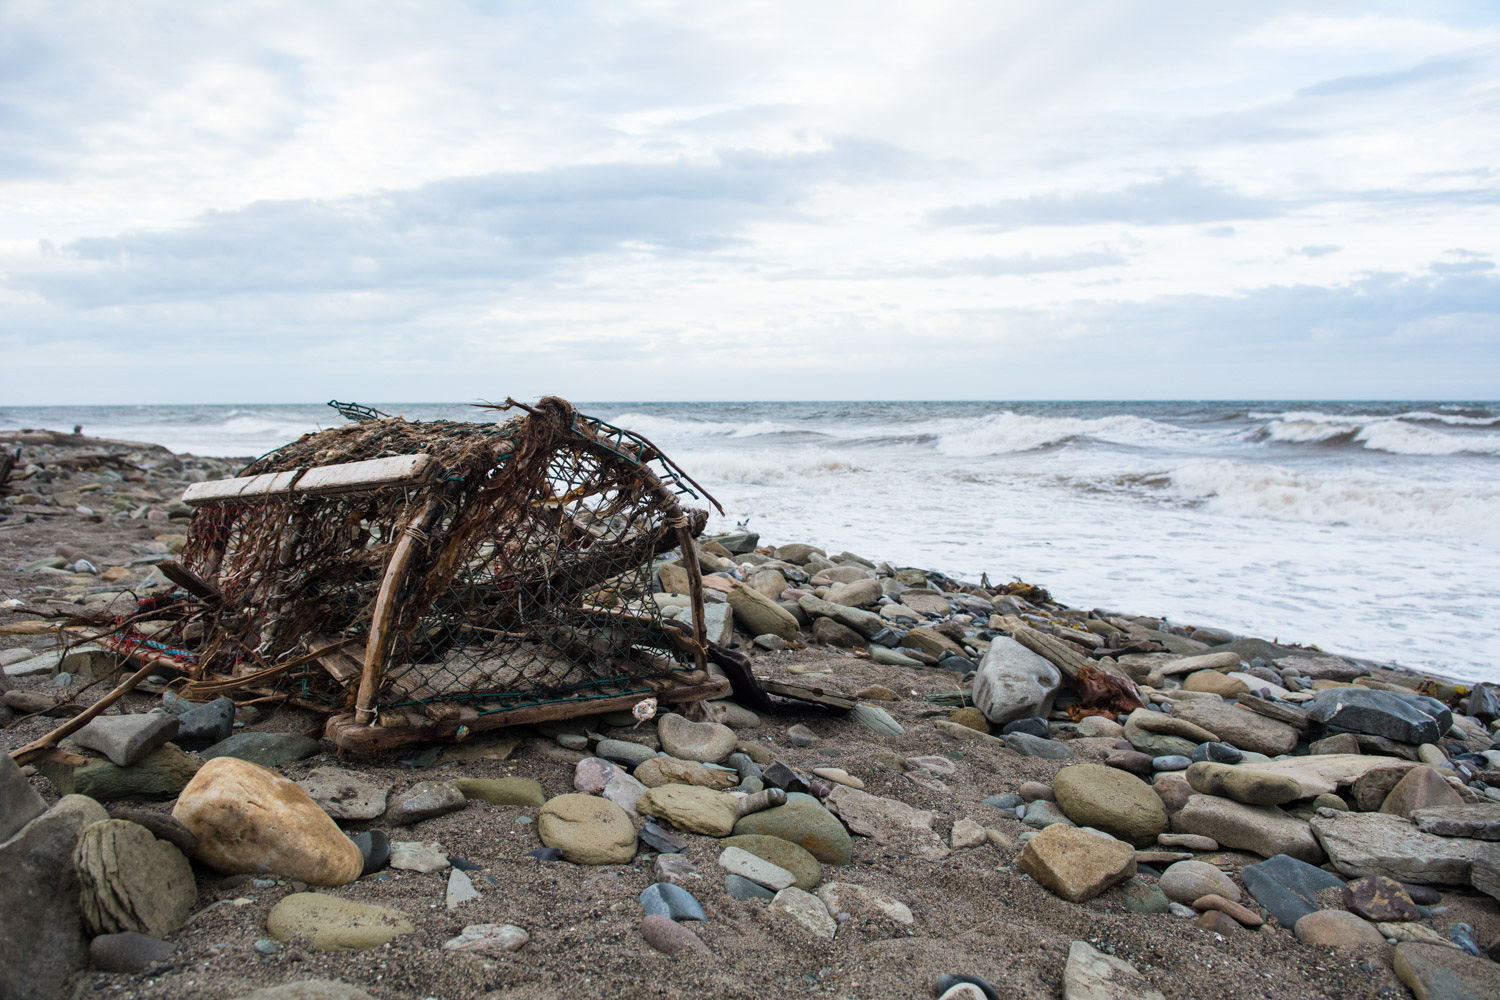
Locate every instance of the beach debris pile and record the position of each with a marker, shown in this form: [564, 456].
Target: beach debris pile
[1188, 791]
[420, 581]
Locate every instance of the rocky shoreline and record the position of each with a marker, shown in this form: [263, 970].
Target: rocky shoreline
[1026, 800]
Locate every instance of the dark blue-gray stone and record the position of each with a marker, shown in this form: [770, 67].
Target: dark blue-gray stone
[778, 775]
[546, 854]
[673, 901]
[1005, 800]
[1405, 718]
[887, 637]
[375, 848]
[958, 664]
[661, 841]
[742, 888]
[1029, 726]
[1036, 746]
[204, 725]
[1463, 936]
[464, 864]
[1484, 703]
[1286, 887]
[1219, 753]
[266, 749]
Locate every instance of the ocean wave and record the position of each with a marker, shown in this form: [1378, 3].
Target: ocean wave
[1252, 490]
[765, 467]
[672, 428]
[1402, 434]
[1008, 432]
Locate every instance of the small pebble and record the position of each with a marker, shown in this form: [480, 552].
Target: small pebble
[1171, 762]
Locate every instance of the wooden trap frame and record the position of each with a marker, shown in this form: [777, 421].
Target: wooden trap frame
[427, 581]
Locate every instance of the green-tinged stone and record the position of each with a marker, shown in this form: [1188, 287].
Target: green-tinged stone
[502, 791]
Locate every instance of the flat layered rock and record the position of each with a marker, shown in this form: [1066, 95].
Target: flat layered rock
[1433, 972]
[1236, 726]
[1323, 773]
[1092, 975]
[888, 821]
[1382, 844]
[1263, 830]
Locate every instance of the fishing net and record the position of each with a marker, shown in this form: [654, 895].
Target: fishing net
[424, 578]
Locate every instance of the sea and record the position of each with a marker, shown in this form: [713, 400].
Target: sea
[1369, 529]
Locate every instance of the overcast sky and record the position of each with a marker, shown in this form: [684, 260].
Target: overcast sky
[258, 202]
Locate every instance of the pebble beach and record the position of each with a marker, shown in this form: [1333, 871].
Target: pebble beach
[986, 792]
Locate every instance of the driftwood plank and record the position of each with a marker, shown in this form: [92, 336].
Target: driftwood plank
[347, 477]
[267, 484]
[352, 477]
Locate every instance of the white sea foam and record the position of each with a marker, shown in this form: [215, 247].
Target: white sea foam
[1245, 489]
[1009, 432]
[1307, 431]
[768, 467]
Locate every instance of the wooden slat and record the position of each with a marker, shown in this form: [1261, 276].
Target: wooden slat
[347, 477]
[352, 477]
[267, 484]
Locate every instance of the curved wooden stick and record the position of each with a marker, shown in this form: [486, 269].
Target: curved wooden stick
[385, 609]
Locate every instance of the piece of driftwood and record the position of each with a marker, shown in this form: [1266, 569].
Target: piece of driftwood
[807, 692]
[188, 580]
[385, 609]
[327, 480]
[402, 728]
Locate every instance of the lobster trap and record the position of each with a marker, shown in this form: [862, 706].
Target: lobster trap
[426, 580]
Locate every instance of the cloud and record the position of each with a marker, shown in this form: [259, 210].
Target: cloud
[1177, 198]
[1025, 263]
[1441, 69]
[474, 231]
[1321, 250]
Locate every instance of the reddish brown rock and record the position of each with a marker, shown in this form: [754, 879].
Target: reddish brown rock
[1381, 899]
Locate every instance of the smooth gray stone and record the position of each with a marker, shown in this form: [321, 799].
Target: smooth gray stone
[128, 952]
[19, 802]
[876, 719]
[1005, 800]
[740, 887]
[127, 739]
[42, 941]
[672, 901]
[269, 750]
[1286, 887]
[624, 751]
[1030, 726]
[1035, 746]
[1171, 762]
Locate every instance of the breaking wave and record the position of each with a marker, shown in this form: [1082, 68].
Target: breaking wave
[1402, 434]
[1009, 432]
[1252, 490]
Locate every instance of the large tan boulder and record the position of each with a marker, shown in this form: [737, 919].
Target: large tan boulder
[691, 808]
[1076, 864]
[249, 819]
[760, 615]
[589, 830]
[1111, 800]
